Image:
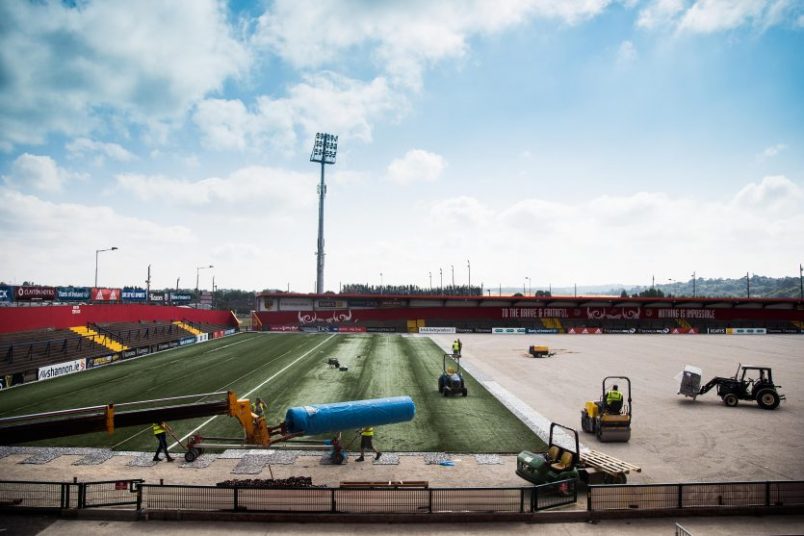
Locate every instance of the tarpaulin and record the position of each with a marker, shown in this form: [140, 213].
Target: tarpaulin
[323, 418]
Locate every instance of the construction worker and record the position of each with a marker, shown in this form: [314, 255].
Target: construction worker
[160, 429]
[456, 347]
[258, 407]
[366, 442]
[614, 400]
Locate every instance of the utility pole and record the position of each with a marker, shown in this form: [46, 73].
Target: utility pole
[469, 267]
[693, 284]
[440, 281]
[801, 281]
[747, 285]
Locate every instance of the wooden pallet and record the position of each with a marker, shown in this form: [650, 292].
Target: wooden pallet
[608, 464]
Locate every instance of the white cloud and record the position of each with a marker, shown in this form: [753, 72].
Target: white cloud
[101, 150]
[405, 37]
[707, 16]
[626, 53]
[39, 172]
[771, 151]
[68, 69]
[615, 237]
[263, 186]
[53, 243]
[416, 166]
[660, 13]
[321, 102]
[776, 194]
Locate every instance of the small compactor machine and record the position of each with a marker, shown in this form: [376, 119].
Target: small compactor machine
[609, 422]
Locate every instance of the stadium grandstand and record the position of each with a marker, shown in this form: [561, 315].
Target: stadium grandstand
[54, 339]
[279, 311]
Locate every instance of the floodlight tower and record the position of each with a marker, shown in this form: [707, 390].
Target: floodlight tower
[324, 151]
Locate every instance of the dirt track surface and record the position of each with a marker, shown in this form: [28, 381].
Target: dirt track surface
[673, 438]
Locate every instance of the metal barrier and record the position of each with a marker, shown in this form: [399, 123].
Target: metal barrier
[30, 494]
[695, 495]
[109, 493]
[358, 500]
[62, 495]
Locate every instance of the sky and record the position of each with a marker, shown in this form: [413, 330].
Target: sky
[516, 142]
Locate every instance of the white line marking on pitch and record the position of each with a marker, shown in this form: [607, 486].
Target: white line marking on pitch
[206, 422]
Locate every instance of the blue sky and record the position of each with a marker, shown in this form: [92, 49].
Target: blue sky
[589, 142]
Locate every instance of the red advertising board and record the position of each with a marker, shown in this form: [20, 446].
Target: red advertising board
[105, 294]
[351, 329]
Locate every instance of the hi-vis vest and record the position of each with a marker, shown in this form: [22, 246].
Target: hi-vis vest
[613, 396]
[158, 429]
[455, 347]
[367, 432]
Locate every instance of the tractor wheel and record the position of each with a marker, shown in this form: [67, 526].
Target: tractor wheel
[465, 391]
[768, 399]
[446, 392]
[730, 399]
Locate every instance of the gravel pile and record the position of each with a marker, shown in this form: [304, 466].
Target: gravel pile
[202, 462]
[143, 459]
[387, 459]
[435, 458]
[250, 465]
[488, 459]
[95, 458]
[46, 455]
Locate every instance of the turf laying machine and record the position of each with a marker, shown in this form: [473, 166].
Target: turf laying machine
[564, 460]
[610, 417]
[310, 420]
[451, 380]
[748, 383]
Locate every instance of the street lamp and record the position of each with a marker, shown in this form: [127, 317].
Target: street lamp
[324, 151]
[380, 282]
[97, 251]
[197, 272]
[452, 266]
[693, 284]
[527, 278]
[440, 281]
[431, 279]
[675, 286]
[469, 267]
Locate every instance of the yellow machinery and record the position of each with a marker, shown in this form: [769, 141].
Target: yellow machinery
[609, 422]
[539, 351]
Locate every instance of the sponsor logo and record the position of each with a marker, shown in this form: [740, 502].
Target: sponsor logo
[542, 331]
[746, 331]
[653, 331]
[620, 331]
[72, 293]
[482, 330]
[230, 331]
[436, 331]
[716, 331]
[284, 328]
[76, 309]
[35, 293]
[786, 331]
[143, 351]
[585, 331]
[61, 369]
[186, 340]
[393, 330]
[134, 294]
[202, 338]
[4, 294]
[129, 353]
[509, 331]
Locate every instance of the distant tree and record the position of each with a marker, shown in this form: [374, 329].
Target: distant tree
[518, 294]
[623, 294]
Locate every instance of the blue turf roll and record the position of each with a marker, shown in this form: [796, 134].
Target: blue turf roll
[323, 418]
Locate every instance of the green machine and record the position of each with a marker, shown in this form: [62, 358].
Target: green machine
[560, 462]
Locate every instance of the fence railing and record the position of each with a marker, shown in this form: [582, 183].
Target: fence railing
[359, 500]
[695, 495]
[38, 494]
[634, 497]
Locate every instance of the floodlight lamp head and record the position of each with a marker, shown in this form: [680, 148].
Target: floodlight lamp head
[325, 148]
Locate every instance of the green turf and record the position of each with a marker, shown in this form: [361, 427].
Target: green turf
[379, 366]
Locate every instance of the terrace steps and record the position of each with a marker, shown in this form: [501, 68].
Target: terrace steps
[187, 327]
[97, 338]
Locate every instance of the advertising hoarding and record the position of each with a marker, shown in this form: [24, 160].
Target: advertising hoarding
[34, 293]
[65, 294]
[60, 369]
